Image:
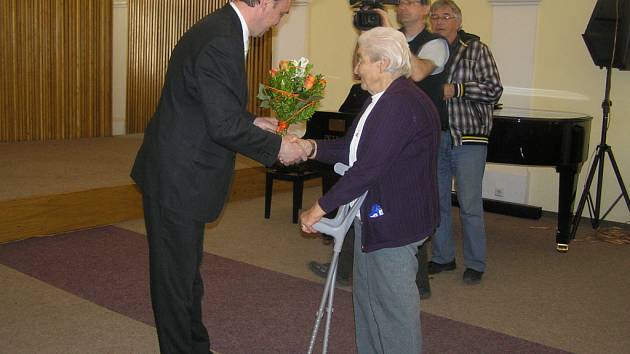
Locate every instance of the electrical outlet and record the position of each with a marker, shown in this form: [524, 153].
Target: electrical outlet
[498, 192]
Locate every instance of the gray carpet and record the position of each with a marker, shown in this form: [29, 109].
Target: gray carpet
[247, 309]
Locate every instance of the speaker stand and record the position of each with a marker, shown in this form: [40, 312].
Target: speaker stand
[597, 165]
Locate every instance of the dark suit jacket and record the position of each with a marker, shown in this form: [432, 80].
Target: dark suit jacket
[396, 164]
[187, 157]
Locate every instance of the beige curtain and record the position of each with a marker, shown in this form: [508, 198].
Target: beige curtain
[55, 69]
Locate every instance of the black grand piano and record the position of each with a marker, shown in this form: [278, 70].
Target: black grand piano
[519, 137]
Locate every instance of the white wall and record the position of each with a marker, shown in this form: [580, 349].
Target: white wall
[119, 66]
[291, 36]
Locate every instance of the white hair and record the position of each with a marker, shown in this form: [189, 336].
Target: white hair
[390, 44]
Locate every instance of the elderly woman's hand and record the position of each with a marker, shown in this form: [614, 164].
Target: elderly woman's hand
[311, 216]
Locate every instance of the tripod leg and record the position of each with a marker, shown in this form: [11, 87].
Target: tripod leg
[624, 191]
[600, 178]
[585, 192]
[330, 283]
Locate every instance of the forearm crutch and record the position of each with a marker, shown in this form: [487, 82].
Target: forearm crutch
[337, 228]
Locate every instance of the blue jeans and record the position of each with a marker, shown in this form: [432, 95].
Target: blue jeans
[466, 164]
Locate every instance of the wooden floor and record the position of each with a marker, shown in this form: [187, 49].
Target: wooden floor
[53, 187]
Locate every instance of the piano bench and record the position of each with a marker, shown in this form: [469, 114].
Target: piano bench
[296, 174]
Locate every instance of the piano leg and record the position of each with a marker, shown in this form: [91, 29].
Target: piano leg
[566, 198]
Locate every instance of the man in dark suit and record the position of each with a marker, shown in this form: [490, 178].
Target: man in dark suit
[186, 161]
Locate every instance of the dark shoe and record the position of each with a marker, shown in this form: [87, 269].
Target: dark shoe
[424, 293]
[472, 276]
[435, 268]
[321, 270]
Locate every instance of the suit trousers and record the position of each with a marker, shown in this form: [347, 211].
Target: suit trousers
[175, 255]
[386, 299]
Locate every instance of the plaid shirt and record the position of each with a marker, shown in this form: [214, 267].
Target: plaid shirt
[477, 88]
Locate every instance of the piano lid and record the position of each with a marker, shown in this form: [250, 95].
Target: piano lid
[538, 137]
[538, 114]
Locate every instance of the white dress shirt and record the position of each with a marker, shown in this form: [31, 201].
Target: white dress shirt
[245, 28]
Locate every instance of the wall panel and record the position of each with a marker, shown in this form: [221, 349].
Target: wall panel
[154, 28]
[55, 69]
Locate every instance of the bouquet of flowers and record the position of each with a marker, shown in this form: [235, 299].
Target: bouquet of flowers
[293, 93]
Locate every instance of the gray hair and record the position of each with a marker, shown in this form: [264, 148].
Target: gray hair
[253, 3]
[387, 43]
[250, 3]
[438, 4]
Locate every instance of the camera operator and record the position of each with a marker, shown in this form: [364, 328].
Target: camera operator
[432, 50]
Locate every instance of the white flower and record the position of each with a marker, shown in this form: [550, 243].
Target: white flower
[301, 66]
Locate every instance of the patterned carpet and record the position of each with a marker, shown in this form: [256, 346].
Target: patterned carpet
[246, 309]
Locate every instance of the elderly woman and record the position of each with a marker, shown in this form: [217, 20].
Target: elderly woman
[391, 149]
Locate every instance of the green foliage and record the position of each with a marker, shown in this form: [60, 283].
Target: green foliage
[293, 93]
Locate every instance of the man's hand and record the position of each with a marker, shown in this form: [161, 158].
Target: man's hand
[449, 91]
[266, 123]
[311, 217]
[291, 152]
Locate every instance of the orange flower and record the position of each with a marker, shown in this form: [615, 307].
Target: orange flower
[282, 127]
[273, 72]
[284, 65]
[309, 82]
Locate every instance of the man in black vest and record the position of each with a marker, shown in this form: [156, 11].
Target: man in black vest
[432, 52]
[431, 49]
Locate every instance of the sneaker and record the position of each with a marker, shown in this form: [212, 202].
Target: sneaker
[472, 276]
[321, 270]
[435, 268]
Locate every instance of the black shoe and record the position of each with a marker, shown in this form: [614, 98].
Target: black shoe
[321, 270]
[472, 276]
[424, 293]
[435, 268]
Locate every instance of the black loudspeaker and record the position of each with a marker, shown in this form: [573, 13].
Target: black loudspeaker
[608, 34]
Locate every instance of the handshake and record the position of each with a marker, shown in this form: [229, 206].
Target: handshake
[293, 149]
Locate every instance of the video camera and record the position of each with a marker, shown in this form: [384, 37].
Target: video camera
[365, 17]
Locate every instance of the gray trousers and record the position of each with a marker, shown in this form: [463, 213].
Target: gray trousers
[386, 299]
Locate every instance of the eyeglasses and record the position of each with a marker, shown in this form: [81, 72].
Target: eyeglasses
[444, 17]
